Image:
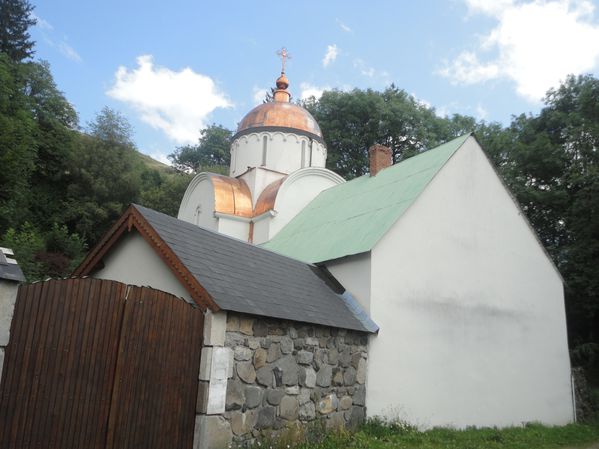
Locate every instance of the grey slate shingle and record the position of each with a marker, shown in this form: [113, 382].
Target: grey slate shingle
[9, 269]
[244, 278]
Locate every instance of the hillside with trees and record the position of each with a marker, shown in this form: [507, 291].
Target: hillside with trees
[62, 184]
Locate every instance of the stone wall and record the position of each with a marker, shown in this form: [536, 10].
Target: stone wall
[286, 375]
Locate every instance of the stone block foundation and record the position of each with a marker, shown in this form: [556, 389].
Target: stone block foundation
[281, 376]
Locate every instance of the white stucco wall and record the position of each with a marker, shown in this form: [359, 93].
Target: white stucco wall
[283, 152]
[257, 179]
[261, 227]
[236, 227]
[295, 193]
[470, 309]
[197, 205]
[353, 272]
[133, 261]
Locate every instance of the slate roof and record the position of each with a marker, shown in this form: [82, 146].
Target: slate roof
[9, 269]
[350, 218]
[244, 278]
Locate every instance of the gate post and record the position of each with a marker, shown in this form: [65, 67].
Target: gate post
[211, 429]
[10, 277]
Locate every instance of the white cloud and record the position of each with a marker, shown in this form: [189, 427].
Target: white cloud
[259, 94]
[41, 23]
[331, 55]
[490, 7]
[364, 69]
[178, 103]
[467, 69]
[47, 32]
[481, 112]
[309, 90]
[69, 51]
[344, 27]
[537, 43]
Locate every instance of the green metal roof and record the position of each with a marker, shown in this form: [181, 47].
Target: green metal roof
[351, 218]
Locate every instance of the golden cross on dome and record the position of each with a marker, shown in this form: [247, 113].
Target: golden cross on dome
[284, 55]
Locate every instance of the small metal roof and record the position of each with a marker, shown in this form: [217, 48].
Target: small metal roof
[350, 218]
[9, 269]
[244, 278]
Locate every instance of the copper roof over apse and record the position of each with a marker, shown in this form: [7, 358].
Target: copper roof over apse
[231, 196]
[266, 200]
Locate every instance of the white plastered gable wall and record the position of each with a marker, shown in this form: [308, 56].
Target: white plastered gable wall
[470, 309]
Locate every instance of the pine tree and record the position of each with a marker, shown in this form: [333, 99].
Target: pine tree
[15, 20]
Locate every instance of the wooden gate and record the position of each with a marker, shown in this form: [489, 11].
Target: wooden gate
[99, 364]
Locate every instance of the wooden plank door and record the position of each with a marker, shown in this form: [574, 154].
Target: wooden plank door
[94, 363]
[59, 365]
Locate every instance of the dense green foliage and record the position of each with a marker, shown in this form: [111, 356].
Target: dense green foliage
[352, 121]
[551, 163]
[212, 152]
[61, 187]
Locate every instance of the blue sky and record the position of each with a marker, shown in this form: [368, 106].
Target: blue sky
[174, 67]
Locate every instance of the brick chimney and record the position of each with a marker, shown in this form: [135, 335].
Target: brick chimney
[380, 157]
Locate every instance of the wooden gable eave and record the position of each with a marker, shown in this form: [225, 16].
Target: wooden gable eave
[133, 219]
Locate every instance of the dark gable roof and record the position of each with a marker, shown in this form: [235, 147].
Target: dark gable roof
[241, 277]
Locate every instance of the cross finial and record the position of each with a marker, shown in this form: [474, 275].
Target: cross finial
[284, 55]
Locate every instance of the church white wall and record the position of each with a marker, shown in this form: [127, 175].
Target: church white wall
[296, 192]
[283, 152]
[470, 309]
[197, 205]
[261, 227]
[234, 227]
[133, 261]
[257, 179]
[353, 272]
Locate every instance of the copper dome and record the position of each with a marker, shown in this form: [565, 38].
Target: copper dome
[281, 115]
[278, 114]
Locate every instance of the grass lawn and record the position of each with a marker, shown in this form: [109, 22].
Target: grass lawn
[533, 436]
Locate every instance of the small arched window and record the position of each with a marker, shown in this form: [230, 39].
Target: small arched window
[303, 153]
[264, 142]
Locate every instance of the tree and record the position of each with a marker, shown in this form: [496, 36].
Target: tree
[212, 152]
[54, 253]
[56, 122]
[104, 176]
[551, 164]
[164, 192]
[569, 124]
[15, 20]
[352, 121]
[111, 127]
[18, 146]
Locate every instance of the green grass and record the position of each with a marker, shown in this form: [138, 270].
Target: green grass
[377, 435]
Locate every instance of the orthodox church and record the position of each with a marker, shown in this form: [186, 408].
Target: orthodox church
[417, 292]
[277, 167]
[434, 249]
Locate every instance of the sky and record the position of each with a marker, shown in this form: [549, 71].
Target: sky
[173, 68]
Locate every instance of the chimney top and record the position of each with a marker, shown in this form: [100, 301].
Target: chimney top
[380, 157]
